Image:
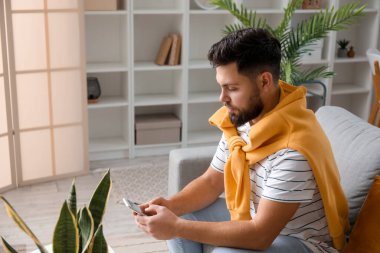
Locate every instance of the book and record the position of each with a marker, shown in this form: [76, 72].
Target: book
[175, 50]
[163, 52]
[177, 59]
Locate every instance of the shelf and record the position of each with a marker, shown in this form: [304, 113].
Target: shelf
[109, 102]
[106, 67]
[198, 137]
[108, 144]
[208, 12]
[351, 60]
[269, 11]
[203, 97]
[145, 65]
[122, 45]
[156, 99]
[370, 11]
[306, 11]
[342, 89]
[157, 12]
[96, 13]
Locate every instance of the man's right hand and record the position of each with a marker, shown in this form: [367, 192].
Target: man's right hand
[160, 201]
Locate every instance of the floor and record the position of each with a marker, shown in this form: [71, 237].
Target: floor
[39, 205]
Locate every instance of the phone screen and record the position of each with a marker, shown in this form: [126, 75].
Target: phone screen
[133, 206]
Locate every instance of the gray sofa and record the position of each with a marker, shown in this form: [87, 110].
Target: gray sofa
[355, 144]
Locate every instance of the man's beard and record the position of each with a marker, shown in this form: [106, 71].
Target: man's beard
[255, 108]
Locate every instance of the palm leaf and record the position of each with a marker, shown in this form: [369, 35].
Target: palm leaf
[21, 224]
[66, 234]
[246, 17]
[294, 41]
[8, 248]
[99, 199]
[315, 73]
[284, 24]
[318, 26]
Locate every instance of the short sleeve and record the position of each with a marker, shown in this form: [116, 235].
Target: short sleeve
[290, 179]
[220, 157]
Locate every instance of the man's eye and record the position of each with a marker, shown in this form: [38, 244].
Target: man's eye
[232, 88]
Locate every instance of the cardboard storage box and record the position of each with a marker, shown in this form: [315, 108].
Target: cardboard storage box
[100, 5]
[157, 128]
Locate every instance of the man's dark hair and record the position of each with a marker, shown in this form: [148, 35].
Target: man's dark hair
[252, 49]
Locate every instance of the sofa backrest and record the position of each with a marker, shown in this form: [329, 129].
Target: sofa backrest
[356, 148]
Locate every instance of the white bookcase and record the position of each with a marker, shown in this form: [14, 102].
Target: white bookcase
[121, 47]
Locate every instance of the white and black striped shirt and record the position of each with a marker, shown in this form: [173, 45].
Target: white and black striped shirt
[286, 176]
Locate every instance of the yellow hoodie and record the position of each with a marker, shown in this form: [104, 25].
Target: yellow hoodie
[289, 125]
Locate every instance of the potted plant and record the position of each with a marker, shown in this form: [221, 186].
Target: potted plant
[342, 50]
[77, 230]
[294, 40]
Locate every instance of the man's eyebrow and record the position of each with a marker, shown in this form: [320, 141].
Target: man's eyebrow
[228, 84]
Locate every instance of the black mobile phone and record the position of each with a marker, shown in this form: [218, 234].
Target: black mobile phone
[133, 206]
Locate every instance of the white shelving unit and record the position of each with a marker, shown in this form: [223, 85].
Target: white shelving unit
[121, 47]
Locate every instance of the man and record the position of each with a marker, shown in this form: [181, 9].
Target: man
[273, 162]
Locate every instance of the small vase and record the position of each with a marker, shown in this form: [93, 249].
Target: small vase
[342, 52]
[93, 89]
[351, 52]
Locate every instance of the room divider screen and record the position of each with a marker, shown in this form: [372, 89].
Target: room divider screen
[7, 178]
[43, 90]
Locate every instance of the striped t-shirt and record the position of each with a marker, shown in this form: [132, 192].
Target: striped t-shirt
[285, 176]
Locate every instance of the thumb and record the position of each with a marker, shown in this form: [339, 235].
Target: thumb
[152, 209]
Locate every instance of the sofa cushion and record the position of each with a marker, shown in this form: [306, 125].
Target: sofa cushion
[365, 233]
[356, 147]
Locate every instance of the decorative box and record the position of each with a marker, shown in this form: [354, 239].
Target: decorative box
[100, 5]
[157, 128]
[311, 4]
[315, 53]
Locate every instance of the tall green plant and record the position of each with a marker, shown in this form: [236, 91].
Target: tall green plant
[76, 230]
[294, 40]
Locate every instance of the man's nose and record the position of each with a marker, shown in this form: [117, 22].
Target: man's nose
[223, 97]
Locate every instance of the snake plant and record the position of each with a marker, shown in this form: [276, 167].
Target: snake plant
[77, 230]
[294, 40]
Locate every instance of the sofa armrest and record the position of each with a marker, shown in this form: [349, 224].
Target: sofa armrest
[187, 164]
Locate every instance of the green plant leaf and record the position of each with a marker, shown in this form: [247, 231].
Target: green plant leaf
[8, 248]
[99, 199]
[246, 17]
[294, 40]
[86, 227]
[66, 235]
[99, 244]
[72, 199]
[285, 22]
[21, 224]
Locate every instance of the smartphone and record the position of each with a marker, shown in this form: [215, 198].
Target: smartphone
[133, 206]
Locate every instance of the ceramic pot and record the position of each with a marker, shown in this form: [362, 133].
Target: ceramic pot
[342, 52]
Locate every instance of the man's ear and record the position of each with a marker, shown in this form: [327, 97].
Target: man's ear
[266, 80]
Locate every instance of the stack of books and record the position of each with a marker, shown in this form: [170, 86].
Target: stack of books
[169, 52]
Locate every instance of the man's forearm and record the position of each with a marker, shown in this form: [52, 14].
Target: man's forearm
[236, 234]
[198, 194]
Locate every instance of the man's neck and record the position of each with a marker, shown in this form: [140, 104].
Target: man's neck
[272, 102]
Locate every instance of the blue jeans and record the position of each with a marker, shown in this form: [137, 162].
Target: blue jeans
[218, 212]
